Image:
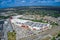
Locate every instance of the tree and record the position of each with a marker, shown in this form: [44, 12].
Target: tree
[53, 38]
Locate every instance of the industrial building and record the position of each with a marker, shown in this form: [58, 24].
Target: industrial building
[31, 25]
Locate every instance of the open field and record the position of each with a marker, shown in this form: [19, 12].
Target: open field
[11, 36]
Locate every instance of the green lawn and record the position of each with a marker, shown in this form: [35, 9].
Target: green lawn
[39, 21]
[11, 36]
[53, 38]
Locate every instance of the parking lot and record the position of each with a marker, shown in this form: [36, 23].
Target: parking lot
[21, 33]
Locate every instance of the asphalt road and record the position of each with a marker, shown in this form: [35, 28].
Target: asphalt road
[7, 28]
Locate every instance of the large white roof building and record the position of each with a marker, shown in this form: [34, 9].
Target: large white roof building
[30, 24]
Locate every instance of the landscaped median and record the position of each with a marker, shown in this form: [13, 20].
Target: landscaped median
[11, 36]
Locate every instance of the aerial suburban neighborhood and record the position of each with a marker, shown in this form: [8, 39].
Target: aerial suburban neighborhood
[25, 24]
[29, 19]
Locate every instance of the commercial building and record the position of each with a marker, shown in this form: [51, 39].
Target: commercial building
[31, 25]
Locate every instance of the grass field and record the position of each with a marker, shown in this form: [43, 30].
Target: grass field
[11, 36]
